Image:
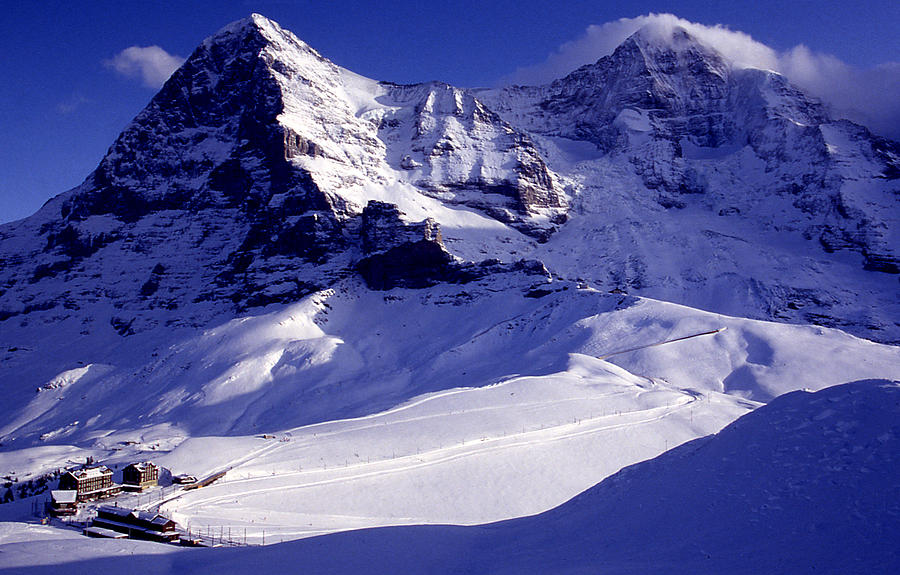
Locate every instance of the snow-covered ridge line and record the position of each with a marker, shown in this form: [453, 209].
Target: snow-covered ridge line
[685, 148]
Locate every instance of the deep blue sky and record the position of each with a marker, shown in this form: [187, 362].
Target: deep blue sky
[60, 107]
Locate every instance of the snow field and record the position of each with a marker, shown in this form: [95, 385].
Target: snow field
[342, 354]
[532, 442]
[820, 467]
[454, 404]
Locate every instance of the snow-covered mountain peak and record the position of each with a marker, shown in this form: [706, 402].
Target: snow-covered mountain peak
[258, 38]
[672, 129]
[258, 27]
[656, 40]
[246, 178]
[249, 179]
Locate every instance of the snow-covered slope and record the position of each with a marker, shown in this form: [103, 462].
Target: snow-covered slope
[808, 483]
[421, 288]
[349, 351]
[413, 395]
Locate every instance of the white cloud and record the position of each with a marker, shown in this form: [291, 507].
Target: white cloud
[602, 40]
[868, 96]
[151, 63]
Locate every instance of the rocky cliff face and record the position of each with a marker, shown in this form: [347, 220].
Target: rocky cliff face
[666, 122]
[463, 153]
[255, 159]
[207, 163]
[262, 171]
[399, 254]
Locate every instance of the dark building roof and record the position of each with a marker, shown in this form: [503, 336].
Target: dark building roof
[137, 518]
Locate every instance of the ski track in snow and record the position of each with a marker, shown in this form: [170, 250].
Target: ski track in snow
[441, 455]
[197, 504]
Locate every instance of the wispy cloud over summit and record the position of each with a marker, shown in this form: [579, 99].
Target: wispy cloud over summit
[151, 64]
[868, 96]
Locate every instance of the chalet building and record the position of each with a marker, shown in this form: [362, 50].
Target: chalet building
[133, 523]
[140, 476]
[90, 483]
[63, 502]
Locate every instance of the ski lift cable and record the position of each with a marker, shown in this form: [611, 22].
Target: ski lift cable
[712, 332]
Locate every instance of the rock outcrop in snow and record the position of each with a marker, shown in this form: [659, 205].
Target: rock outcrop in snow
[463, 153]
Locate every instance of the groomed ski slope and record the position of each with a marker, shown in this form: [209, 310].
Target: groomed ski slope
[462, 456]
[806, 484]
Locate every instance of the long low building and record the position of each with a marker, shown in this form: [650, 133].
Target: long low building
[100, 532]
[136, 524]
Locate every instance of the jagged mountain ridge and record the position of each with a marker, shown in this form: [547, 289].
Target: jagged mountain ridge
[664, 101]
[256, 156]
[730, 167]
[260, 156]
